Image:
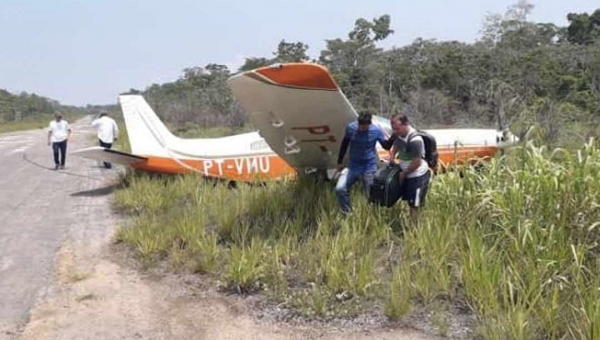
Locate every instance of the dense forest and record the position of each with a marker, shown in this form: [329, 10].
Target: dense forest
[517, 74]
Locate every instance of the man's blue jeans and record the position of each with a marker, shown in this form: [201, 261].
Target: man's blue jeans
[62, 148]
[345, 183]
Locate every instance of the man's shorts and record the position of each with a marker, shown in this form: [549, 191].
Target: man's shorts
[414, 190]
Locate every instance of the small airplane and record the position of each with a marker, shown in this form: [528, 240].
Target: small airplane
[301, 115]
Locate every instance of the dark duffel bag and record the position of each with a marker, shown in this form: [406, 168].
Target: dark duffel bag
[385, 190]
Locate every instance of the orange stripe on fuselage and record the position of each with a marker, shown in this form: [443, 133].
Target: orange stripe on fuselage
[266, 167]
[273, 167]
[300, 75]
[460, 155]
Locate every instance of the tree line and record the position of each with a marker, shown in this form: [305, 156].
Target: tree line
[28, 106]
[518, 73]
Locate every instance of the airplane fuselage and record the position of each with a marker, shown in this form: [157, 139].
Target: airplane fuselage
[273, 167]
[459, 146]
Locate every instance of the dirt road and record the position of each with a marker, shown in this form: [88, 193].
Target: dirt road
[39, 207]
[59, 276]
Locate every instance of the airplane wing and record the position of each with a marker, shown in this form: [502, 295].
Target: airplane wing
[109, 155]
[299, 110]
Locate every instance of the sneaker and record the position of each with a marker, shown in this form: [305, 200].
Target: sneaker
[62, 167]
[56, 167]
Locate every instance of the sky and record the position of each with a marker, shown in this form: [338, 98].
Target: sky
[87, 52]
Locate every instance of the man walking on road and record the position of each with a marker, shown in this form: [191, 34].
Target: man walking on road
[108, 132]
[59, 132]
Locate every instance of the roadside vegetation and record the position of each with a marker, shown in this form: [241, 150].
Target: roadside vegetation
[515, 243]
[30, 111]
[36, 122]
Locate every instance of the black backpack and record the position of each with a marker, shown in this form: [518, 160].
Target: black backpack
[431, 154]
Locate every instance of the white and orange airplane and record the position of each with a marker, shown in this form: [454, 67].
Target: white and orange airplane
[301, 115]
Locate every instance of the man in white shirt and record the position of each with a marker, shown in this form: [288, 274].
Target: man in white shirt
[108, 132]
[59, 132]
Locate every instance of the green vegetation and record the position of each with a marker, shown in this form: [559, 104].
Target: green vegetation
[516, 242]
[30, 111]
[122, 143]
[518, 72]
[36, 122]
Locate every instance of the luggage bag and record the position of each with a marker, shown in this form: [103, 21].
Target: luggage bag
[385, 190]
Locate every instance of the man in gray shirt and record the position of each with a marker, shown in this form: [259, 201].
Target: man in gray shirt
[409, 151]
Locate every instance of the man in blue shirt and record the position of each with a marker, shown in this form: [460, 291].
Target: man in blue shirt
[361, 136]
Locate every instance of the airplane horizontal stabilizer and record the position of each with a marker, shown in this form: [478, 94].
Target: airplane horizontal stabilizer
[109, 155]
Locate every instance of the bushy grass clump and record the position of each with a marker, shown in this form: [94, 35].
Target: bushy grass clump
[515, 241]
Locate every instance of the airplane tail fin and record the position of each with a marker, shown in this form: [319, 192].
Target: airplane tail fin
[147, 133]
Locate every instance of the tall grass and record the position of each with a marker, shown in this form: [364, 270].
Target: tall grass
[122, 143]
[516, 241]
